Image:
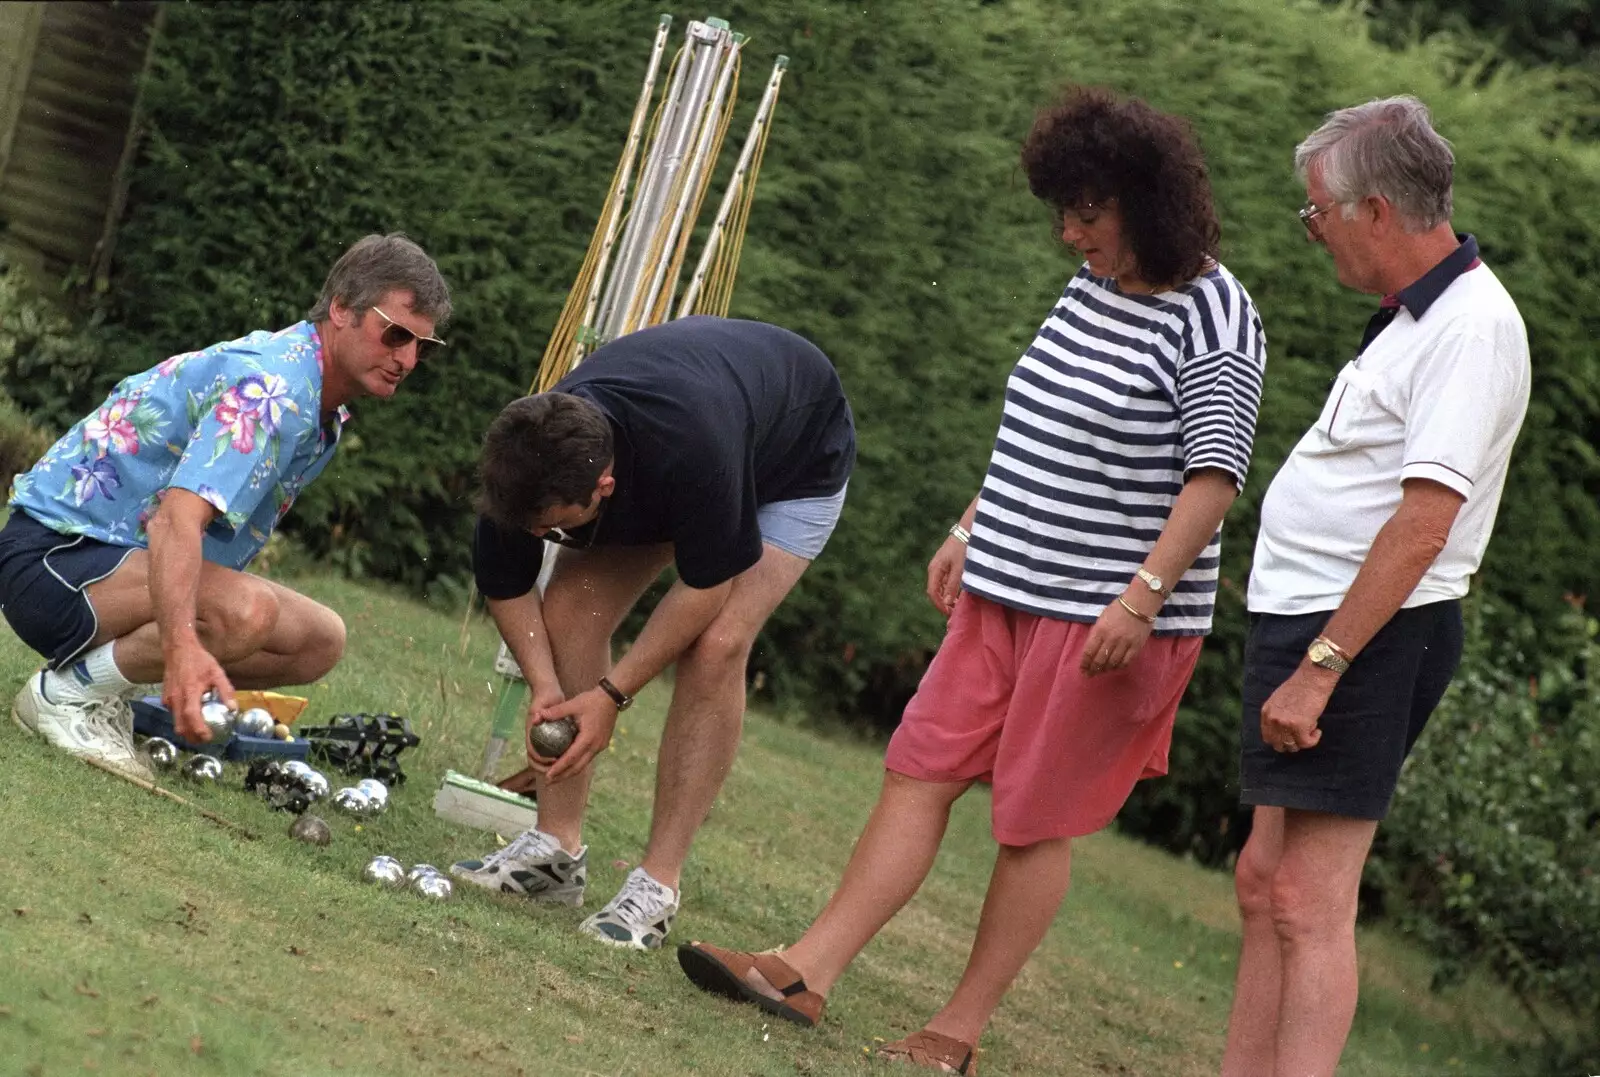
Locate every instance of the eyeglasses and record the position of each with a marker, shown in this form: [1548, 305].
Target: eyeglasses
[1308, 217]
[579, 541]
[397, 336]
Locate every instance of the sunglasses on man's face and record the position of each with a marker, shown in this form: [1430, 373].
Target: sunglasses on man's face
[395, 336]
[585, 531]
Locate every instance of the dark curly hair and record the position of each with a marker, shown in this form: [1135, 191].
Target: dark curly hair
[1094, 146]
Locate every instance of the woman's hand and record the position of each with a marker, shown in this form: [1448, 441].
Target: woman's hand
[1115, 640]
[944, 574]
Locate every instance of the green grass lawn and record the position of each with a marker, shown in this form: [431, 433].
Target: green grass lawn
[139, 938]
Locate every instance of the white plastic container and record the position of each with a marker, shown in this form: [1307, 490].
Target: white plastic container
[478, 804]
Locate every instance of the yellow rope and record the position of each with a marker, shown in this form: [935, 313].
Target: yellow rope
[716, 296]
[560, 354]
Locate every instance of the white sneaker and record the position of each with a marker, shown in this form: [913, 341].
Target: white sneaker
[532, 865]
[89, 728]
[639, 917]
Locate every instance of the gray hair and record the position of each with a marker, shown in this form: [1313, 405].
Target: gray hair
[377, 265]
[1387, 148]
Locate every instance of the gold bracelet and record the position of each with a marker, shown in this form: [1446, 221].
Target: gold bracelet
[960, 534]
[1145, 617]
[1335, 648]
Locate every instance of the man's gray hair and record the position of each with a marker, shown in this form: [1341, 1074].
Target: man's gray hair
[1386, 148]
[377, 265]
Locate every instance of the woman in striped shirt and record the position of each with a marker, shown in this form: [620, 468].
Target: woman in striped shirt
[1079, 582]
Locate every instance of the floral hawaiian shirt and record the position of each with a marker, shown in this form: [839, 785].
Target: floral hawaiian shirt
[239, 424]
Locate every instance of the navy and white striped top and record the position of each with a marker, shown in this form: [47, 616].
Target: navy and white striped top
[1119, 396]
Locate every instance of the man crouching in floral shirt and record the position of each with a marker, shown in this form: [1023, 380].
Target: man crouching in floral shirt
[122, 559]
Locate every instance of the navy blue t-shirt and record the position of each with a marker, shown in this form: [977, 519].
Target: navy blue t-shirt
[712, 418]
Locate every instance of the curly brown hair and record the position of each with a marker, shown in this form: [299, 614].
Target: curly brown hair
[1094, 146]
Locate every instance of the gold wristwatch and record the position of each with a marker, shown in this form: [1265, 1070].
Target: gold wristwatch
[1154, 582]
[1327, 654]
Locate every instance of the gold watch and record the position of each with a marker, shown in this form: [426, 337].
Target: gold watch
[1325, 654]
[1154, 582]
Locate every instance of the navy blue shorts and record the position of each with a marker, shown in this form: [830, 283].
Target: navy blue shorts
[1372, 719]
[43, 574]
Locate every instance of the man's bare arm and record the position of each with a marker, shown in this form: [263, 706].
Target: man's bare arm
[188, 669]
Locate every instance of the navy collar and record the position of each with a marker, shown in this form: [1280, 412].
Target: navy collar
[1421, 293]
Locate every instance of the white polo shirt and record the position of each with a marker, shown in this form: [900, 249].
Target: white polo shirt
[1439, 394]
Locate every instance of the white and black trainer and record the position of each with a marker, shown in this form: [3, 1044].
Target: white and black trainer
[532, 865]
[639, 917]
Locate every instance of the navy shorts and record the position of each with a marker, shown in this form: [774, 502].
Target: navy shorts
[43, 574]
[1372, 719]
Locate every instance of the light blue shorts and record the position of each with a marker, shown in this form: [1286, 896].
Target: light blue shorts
[801, 526]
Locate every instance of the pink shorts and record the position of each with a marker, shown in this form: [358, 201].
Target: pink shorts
[1003, 701]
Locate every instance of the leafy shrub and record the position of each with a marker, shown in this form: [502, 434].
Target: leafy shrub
[1492, 850]
[51, 364]
[21, 441]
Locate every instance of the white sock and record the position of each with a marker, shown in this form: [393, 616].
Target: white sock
[92, 676]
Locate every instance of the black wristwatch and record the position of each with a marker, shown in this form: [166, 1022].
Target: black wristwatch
[618, 696]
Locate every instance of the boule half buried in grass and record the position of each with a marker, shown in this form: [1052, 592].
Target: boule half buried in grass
[433, 886]
[550, 739]
[204, 769]
[312, 830]
[385, 871]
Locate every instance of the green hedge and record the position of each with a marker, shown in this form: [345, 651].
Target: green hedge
[892, 226]
[52, 359]
[1492, 852]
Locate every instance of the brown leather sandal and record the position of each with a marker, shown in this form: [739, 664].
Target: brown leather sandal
[524, 783]
[934, 1051]
[722, 972]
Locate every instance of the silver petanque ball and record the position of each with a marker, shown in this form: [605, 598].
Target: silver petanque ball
[315, 784]
[204, 769]
[377, 795]
[385, 871]
[550, 739]
[256, 722]
[353, 801]
[419, 870]
[161, 752]
[434, 886]
[218, 719]
[295, 768]
[311, 829]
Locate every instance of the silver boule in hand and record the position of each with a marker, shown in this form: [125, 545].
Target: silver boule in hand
[217, 716]
[550, 739]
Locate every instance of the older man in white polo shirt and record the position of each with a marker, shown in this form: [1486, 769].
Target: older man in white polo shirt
[1369, 536]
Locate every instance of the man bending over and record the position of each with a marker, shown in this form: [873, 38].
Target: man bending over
[720, 446]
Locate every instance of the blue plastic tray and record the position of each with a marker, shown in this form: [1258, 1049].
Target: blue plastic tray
[151, 719]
